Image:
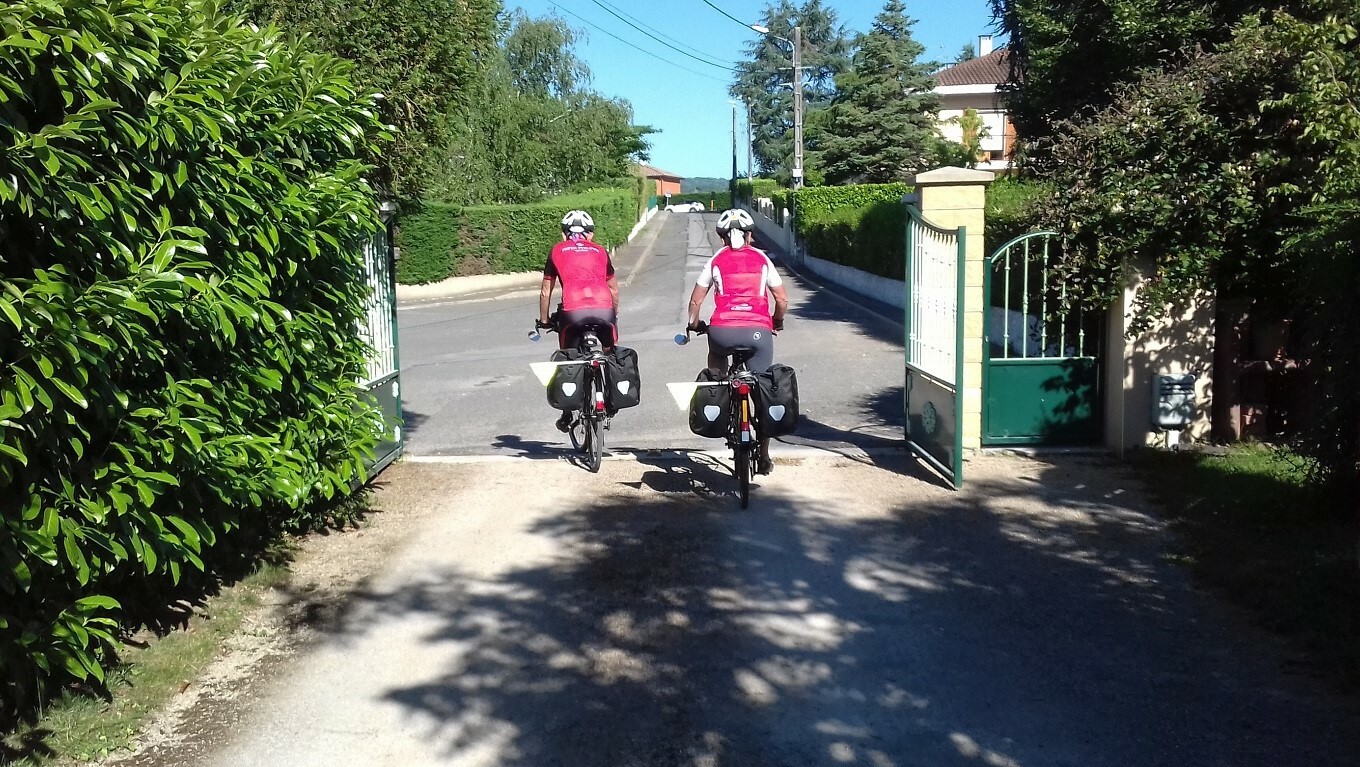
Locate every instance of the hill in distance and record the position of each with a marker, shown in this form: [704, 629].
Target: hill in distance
[703, 184]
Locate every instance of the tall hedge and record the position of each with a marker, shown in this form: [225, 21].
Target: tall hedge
[860, 225]
[181, 205]
[441, 241]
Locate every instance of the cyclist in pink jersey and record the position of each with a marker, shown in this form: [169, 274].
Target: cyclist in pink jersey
[745, 281]
[590, 291]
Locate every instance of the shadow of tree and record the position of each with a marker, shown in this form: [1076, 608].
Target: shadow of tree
[1029, 621]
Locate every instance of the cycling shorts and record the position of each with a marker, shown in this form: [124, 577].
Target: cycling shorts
[722, 338]
[569, 325]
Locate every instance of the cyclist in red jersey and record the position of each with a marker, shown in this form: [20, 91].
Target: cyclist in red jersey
[745, 281]
[590, 291]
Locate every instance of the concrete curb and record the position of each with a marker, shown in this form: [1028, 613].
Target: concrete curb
[459, 286]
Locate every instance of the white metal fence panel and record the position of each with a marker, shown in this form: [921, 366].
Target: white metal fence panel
[934, 301]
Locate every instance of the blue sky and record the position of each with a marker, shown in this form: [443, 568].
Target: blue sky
[692, 111]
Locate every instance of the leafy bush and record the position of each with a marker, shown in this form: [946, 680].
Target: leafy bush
[1013, 208]
[180, 286]
[441, 241]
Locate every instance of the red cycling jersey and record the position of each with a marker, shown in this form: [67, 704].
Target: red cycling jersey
[741, 279]
[584, 269]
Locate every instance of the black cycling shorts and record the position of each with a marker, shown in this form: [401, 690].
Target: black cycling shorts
[722, 338]
[569, 324]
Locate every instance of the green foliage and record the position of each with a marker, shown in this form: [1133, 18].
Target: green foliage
[871, 238]
[1076, 53]
[1013, 208]
[532, 128]
[1184, 175]
[881, 126]
[815, 203]
[180, 283]
[757, 188]
[442, 241]
[863, 226]
[424, 57]
[711, 200]
[762, 81]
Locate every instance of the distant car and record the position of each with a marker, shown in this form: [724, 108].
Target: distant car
[686, 207]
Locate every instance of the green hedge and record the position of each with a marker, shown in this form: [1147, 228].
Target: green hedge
[1012, 209]
[759, 187]
[870, 238]
[441, 241]
[862, 225]
[711, 200]
[180, 286]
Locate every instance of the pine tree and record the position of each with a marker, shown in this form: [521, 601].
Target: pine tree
[882, 123]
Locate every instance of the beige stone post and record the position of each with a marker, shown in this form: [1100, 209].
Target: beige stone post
[950, 198]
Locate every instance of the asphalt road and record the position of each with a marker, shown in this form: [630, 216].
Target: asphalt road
[467, 388]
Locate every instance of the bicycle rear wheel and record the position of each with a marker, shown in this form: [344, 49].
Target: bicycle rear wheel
[742, 464]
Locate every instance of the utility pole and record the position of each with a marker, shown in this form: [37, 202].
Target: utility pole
[748, 144]
[797, 108]
[735, 173]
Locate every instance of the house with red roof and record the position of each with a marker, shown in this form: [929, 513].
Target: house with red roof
[666, 183]
[977, 84]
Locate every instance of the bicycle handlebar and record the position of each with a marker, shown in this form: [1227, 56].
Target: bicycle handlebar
[699, 329]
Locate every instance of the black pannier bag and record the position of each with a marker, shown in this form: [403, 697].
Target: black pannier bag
[709, 408]
[778, 402]
[625, 382]
[567, 387]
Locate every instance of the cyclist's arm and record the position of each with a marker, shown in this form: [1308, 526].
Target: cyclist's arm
[613, 282]
[545, 299]
[545, 292]
[781, 303]
[696, 302]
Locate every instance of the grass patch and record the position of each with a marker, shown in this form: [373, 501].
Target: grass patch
[80, 727]
[1253, 529]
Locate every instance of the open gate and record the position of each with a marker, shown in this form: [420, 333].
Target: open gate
[1041, 379]
[382, 380]
[934, 344]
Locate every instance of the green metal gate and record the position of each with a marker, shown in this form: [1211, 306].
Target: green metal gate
[1041, 381]
[382, 380]
[934, 344]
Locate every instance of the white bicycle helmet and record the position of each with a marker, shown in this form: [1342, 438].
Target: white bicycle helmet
[735, 219]
[577, 222]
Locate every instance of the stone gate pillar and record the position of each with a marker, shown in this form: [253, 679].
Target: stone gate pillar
[950, 198]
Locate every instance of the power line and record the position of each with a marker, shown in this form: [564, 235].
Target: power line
[663, 42]
[746, 24]
[639, 48]
[663, 34]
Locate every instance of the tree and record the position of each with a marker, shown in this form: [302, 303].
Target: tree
[967, 53]
[424, 57]
[882, 122]
[531, 126]
[1075, 53]
[763, 80]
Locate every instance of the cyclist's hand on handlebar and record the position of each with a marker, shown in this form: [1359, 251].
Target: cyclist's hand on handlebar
[541, 325]
[698, 327]
[779, 324]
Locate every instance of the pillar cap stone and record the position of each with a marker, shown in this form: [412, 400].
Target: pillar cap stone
[954, 177]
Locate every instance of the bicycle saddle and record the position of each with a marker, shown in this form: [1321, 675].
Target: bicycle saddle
[742, 354]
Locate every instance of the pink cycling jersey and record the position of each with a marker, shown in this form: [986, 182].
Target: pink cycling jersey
[741, 279]
[584, 269]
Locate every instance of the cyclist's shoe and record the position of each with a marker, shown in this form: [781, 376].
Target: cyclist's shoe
[764, 465]
[564, 422]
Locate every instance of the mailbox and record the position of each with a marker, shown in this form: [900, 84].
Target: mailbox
[1173, 402]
